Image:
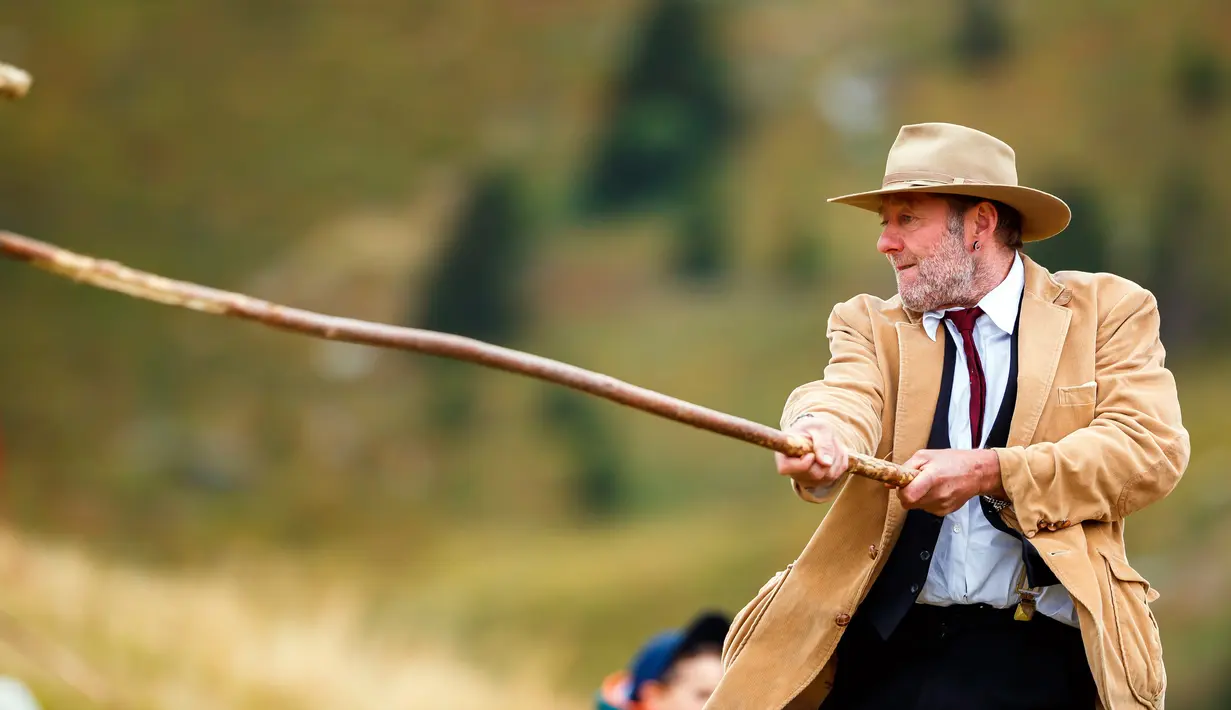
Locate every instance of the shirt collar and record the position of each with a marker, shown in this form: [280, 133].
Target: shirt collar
[1000, 304]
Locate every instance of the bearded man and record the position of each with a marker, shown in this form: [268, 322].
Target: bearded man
[1039, 415]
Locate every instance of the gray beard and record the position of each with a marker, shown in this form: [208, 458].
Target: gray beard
[946, 278]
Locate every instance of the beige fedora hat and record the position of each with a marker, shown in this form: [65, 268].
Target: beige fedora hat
[956, 160]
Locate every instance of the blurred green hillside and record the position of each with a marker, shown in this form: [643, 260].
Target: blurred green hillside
[338, 157]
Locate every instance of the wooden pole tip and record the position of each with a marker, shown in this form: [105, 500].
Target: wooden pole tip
[14, 82]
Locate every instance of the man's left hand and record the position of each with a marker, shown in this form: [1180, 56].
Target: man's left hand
[950, 477]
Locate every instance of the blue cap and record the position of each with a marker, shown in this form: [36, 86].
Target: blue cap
[657, 655]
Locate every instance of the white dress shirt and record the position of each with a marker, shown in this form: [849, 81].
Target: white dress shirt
[974, 563]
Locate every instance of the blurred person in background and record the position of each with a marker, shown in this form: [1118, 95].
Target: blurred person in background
[675, 670]
[1039, 414]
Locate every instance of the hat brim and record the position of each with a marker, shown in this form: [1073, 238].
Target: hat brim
[1043, 215]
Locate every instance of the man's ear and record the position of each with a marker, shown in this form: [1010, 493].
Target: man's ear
[652, 692]
[986, 219]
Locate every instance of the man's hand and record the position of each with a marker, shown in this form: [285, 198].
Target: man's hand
[827, 462]
[950, 477]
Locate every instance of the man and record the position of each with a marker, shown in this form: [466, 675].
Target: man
[675, 670]
[1038, 413]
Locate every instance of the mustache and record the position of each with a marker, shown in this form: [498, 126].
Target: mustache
[903, 262]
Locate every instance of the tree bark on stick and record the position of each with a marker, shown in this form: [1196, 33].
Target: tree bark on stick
[151, 287]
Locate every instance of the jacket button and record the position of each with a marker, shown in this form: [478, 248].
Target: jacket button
[925, 555]
[842, 619]
[872, 551]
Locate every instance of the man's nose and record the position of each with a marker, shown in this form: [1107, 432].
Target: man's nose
[888, 243]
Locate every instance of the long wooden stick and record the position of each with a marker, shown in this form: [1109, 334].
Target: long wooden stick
[14, 83]
[151, 287]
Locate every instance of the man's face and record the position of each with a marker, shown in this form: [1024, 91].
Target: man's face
[693, 681]
[929, 256]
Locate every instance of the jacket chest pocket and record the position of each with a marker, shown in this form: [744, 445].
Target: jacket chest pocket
[1077, 396]
[1073, 408]
[1136, 630]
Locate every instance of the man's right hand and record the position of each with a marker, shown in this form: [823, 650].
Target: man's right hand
[821, 468]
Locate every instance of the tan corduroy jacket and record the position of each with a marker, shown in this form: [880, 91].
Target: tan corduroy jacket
[1096, 435]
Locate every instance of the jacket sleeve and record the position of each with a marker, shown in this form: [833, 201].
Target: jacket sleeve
[1132, 453]
[850, 398]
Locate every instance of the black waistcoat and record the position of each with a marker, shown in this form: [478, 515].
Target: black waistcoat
[906, 570]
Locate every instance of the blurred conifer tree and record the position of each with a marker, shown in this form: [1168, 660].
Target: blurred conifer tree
[800, 256]
[672, 113]
[704, 242]
[1177, 265]
[982, 35]
[598, 485]
[477, 289]
[1200, 80]
[672, 120]
[1083, 245]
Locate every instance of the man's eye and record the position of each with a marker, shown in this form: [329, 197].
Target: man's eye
[907, 219]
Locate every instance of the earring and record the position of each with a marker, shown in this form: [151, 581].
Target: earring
[976, 246]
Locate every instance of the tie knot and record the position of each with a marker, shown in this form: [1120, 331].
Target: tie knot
[964, 318]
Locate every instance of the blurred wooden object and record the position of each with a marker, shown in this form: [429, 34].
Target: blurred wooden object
[14, 83]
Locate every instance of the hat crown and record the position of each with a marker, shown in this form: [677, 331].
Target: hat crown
[946, 153]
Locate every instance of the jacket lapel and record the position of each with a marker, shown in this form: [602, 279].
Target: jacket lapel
[1044, 325]
[920, 360]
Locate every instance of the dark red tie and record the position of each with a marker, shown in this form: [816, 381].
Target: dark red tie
[965, 321]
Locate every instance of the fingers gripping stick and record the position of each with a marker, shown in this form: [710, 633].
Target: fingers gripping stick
[860, 465]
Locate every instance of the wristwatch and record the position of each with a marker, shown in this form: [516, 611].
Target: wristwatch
[998, 504]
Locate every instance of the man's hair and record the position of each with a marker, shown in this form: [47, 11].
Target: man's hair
[701, 649]
[1008, 220]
